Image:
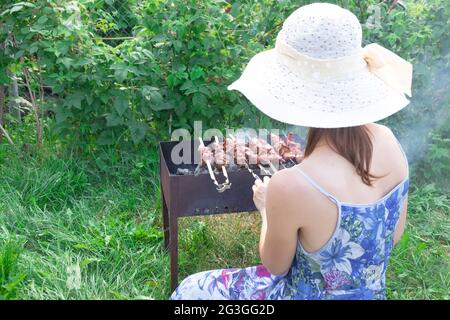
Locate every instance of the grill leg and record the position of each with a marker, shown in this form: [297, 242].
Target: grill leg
[165, 213]
[173, 251]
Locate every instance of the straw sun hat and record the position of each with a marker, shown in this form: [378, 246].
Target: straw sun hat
[318, 75]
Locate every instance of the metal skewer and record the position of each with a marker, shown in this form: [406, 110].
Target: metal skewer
[226, 185]
[272, 167]
[224, 169]
[225, 173]
[251, 171]
[264, 170]
[219, 187]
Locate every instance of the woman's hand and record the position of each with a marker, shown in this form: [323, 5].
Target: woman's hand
[259, 193]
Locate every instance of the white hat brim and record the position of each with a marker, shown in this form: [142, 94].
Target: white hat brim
[285, 96]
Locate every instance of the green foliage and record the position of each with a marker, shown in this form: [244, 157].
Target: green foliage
[434, 166]
[182, 55]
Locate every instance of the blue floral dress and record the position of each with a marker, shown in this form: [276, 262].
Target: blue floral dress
[351, 265]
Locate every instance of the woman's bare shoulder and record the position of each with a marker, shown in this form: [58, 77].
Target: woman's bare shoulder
[379, 129]
[286, 181]
[388, 155]
[288, 189]
[383, 139]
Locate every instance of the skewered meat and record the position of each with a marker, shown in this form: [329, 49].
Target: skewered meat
[206, 154]
[288, 149]
[255, 151]
[294, 147]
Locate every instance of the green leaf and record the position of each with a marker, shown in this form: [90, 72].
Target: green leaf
[106, 138]
[155, 98]
[81, 246]
[113, 120]
[61, 114]
[82, 62]
[67, 62]
[188, 85]
[42, 20]
[199, 100]
[171, 80]
[159, 38]
[89, 99]
[205, 91]
[33, 48]
[74, 99]
[121, 104]
[26, 4]
[197, 72]
[62, 47]
[21, 101]
[19, 54]
[148, 92]
[85, 262]
[146, 109]
[138, 130]
[4, 79]
[120, 74]
[162, 106]
[237, 109]
[177, 45]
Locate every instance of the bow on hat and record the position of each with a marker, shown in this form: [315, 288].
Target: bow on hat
[395, 71]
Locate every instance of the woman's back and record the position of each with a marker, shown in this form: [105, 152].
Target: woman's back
[336, 176]
[347, 227]
[352, 263]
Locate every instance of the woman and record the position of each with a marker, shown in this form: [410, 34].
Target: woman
[329, 223]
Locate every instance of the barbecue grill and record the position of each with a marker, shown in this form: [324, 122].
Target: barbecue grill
[188, 194]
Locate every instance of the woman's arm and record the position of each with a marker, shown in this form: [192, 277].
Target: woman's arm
[401, 222]
[280, 224]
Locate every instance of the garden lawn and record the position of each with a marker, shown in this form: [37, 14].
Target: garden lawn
[58, 214]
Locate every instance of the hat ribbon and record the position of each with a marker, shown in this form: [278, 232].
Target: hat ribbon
[393, 70]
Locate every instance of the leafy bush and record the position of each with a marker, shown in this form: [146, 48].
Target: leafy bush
[174, 70]
[176, 59]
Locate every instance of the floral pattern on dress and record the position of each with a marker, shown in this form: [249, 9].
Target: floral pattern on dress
[351, 265]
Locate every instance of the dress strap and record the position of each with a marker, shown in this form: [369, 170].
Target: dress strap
[316, 186]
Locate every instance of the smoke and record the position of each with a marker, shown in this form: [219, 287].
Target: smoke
[429, 108]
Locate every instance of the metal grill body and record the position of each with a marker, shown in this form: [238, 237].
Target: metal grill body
[190, 195]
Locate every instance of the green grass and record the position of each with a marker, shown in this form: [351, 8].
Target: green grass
[10, 277]
[59, 213]
[68, 215]
[420, 263]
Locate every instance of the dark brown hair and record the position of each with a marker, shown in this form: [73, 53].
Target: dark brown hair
[353, 143]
